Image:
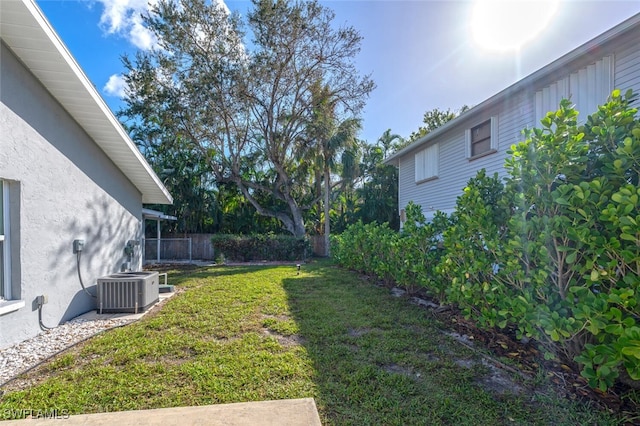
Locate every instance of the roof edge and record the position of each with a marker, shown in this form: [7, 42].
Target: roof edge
[162, 196]
[551, 67]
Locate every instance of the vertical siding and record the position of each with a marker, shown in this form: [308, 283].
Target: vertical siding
[587, 88]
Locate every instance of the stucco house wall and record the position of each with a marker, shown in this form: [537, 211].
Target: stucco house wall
[616, 52]
[63, 188]
[60, 184]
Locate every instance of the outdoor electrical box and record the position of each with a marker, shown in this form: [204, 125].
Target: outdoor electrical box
[78, 245]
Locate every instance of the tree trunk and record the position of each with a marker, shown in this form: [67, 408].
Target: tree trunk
[327, 219]
[294, 223]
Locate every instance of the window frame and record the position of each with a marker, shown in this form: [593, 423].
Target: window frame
[10, 301]
[427, 171]
[5, 260]
[493, 139]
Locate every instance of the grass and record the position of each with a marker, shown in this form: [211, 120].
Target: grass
[239, 334]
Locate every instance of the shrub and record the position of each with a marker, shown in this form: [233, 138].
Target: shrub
[269, 247]
[418, 251]
[553, 253]
[405, 259]
[574, 237]
[556, 252]
[472, 251]
[365, 248]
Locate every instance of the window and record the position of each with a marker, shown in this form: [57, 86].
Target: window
[9, 289]
[586, 88]
[427, 163]
[4, 241]
[482, 139]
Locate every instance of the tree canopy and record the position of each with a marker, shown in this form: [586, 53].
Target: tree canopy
[240, 92]
[433, 119]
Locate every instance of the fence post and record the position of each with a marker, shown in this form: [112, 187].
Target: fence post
[158, 236]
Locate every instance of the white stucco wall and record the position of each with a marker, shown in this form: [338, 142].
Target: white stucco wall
[63, 187]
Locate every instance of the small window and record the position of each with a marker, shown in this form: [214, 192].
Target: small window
[482, 139]
[9, 292]
[427, 163]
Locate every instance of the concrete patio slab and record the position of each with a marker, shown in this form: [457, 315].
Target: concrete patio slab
[288, 412]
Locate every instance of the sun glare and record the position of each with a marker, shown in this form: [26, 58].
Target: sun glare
[504, 25]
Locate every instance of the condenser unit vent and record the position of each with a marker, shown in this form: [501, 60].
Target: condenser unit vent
[127, 292]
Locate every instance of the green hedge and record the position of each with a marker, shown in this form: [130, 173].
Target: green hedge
[553, 253]
[245, 248]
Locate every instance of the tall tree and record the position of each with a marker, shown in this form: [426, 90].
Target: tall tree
[333, 138]
[433, 119]
[379, 190]
[186, 175]
[389, 142]
[245, 106]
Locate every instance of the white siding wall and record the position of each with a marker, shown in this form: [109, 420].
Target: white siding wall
[455, 169]
[627, 67]
[515, 113]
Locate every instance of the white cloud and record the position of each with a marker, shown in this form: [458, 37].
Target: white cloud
[224, 6]
[140, 36]
[115, 86]
[123, 18]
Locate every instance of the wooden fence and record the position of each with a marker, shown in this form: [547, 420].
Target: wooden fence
[201, 247]
[180, 247]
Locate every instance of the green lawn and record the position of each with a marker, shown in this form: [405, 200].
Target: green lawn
[258, 333]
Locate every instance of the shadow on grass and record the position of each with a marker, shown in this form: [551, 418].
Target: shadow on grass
[249, 333]
[381, 360]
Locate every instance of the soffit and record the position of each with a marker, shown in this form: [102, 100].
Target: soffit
[29, 35]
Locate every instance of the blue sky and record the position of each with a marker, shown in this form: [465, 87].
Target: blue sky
[421, 54]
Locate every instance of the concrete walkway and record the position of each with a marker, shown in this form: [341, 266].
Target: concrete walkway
[288, 412]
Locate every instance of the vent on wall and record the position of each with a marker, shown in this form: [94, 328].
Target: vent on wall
[127, 292]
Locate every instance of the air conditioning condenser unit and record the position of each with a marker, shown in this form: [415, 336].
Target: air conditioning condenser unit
[127, 292]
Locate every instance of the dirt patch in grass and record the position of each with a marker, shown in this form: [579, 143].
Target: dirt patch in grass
[286, 341]
[280, 317]
[404, 371]
[358, 332]
[497, 380]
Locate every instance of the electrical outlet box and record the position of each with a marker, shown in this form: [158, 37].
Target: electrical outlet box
[42, 300]
[78, 246]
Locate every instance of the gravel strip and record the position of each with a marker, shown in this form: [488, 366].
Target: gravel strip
[29, 353]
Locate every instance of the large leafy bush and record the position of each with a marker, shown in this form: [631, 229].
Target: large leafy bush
[554, 253]
[406, 258]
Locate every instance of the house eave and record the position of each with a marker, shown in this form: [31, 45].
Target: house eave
[156, 215]
[28, 34]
